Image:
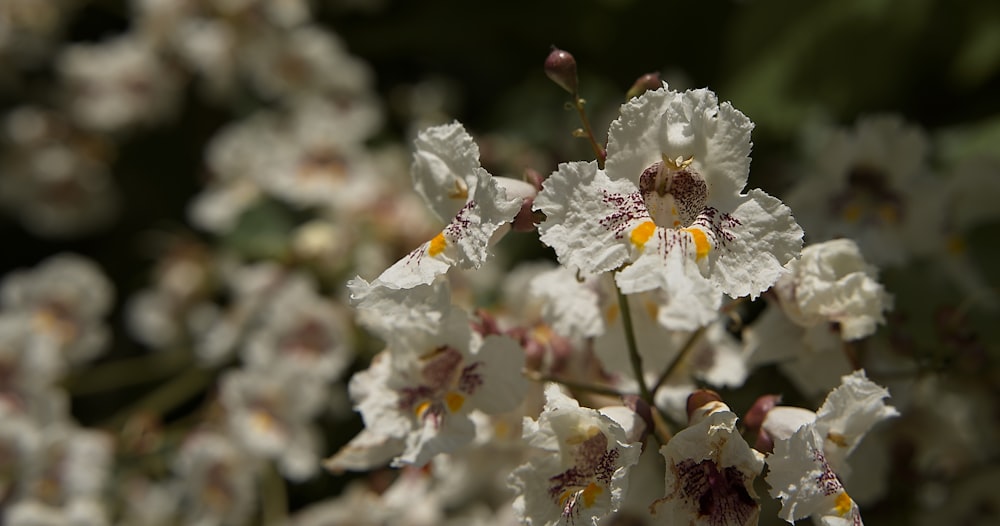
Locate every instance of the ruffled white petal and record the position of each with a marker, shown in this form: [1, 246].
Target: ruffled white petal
[463, 243]
[832, 283]
[848, 413]
[570, 307]
[800, 476]
[500, 360]
[584, 218]
[691, 124]
[763, 238]
[391, 312]
[444, 168]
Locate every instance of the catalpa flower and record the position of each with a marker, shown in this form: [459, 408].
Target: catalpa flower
[811, 449]
[447, 174]
[710, 472]
[668, 211]
[422, 389]
[873, 184]
[583, 475]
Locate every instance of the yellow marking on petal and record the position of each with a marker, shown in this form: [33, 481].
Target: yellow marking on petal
[501, 429]
[843, 504]
[652, 309]
[889, 214]
[611, 313]
[641, 234]
[460, 192]
[422, 408]
[590, 494]
[837, 438]
[701, 244]
[437, 245]
[956, 245]
[852, 213]
[262, 421]
[454, 401]
[582, 435]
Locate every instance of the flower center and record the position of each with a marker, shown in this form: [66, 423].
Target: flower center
[673, 192]
[868, 198]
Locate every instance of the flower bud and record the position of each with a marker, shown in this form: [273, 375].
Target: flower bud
[560, 66]
[754, 421]
[642, 84]
[701, 403]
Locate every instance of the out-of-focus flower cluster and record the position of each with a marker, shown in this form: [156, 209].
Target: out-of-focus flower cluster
[348, 331]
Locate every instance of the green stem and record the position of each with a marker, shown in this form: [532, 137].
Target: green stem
[166, 397]
[274, 497]
[599, 153]
[126, 372]
[681, 357]
[633, 348]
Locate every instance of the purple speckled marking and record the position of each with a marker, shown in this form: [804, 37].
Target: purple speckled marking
[720, 496]
[593, 463]
[441, 372]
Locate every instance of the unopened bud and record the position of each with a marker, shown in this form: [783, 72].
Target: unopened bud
[533, 178]
[560, 66]
[703, 402]
[642, 84]
[526, 219]
[758, 411]
[754, 421]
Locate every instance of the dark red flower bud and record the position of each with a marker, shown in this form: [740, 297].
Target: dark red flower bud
[644, 83]
[560, 66]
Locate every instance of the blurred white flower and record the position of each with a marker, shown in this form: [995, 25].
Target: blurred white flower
[270, 414]
[66, 298]
[216, 479]
[54, 178]
[118, 84]
[871, 184]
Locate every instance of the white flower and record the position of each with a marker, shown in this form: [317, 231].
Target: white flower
[269, 412]
[831, 283]
[65, 477]
[118, 84]
[872, 184]
[810, 450]
[801, 477]
[569, 306]
[670, 208]
[710, 473]
[446, 172]
[423, 387]
[54, 177]
[303, 331]
[395, 314]
[303, 60]
[582, 474]
[216, 478]
[66, 297]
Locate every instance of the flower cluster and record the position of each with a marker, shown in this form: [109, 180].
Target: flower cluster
[367, 311]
